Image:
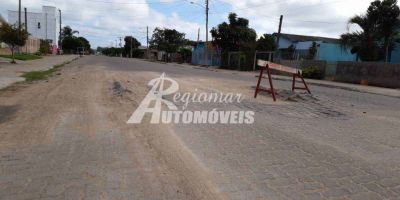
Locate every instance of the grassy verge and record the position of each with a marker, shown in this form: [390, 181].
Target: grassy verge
[22, 57]
[38, 75]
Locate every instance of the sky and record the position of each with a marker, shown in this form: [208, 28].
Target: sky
[102, 22]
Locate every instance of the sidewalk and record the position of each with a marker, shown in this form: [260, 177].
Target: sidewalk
[348, 86]
[11, 73]
[323, 83]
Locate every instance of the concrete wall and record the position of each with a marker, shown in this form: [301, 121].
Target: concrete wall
[377, 74]
[32, 46]
[40, 25]
[302, 64]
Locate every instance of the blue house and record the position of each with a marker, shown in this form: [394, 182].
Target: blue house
[328, 49]
[214, 55]
[395, 58]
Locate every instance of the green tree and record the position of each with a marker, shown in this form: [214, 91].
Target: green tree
[13, 36]
[364, 43]
[112, 51]
[131, 43]
[235, 36]
[168, 40]
[380, 31]
[44, 47]
[266, 43]
[312, 51]
[386, 13]
[70, 43]
[84, 43]
[68, 32]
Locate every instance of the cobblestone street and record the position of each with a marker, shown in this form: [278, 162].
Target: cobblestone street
[72, 141]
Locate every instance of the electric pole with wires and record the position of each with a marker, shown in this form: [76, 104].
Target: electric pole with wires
[147, 37]
[131, 47]
[60, 35]
[206, 44]
[278, 37]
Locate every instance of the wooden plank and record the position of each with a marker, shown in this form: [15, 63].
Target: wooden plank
[279, 67]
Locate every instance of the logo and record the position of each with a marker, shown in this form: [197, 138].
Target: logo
[163, 86]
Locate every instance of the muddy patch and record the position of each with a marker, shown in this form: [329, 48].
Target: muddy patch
[119, 90]
[7, 112]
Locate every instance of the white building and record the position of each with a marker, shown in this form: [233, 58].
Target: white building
[2, 21]
[40, 25]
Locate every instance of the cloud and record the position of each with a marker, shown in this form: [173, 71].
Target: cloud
[310, 17]
[102, 21]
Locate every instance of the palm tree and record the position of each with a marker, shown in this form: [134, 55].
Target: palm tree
[386, 13]
[363, 42]
[68, 32]
[380, 31]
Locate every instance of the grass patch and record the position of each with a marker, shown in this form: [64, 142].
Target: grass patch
[23, 57]
[39, 75]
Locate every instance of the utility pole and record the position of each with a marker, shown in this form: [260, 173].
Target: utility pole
[147, 28]
[278, 36]
[26, 28]
[26, 19]
[120, 45]
[205, 46]
[60, 37]
[19, 15]
[46, 24]
[131, 45]
[19, 21]
[198, 35]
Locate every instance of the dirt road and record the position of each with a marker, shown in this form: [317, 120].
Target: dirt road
[67, 138]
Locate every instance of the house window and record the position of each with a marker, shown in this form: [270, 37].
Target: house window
[38, 25]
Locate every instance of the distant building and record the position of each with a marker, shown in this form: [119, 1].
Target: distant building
[395, 57]
[41, 25]
[328, 49]
[2, 20]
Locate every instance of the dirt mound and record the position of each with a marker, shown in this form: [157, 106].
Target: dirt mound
[119, 90]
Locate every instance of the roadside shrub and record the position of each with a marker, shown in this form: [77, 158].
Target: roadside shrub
[313, 73]
[44, 47]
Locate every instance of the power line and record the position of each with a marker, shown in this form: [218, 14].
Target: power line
[316, 22]
[135, 3]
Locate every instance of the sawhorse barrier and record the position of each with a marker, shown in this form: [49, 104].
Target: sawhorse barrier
[267, 66]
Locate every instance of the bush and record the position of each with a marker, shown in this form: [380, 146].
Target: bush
[313, 73]
[44, 47]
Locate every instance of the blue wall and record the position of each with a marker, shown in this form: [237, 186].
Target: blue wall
[396, 55]
[284, 43]
[334, 52]
[214, 59]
